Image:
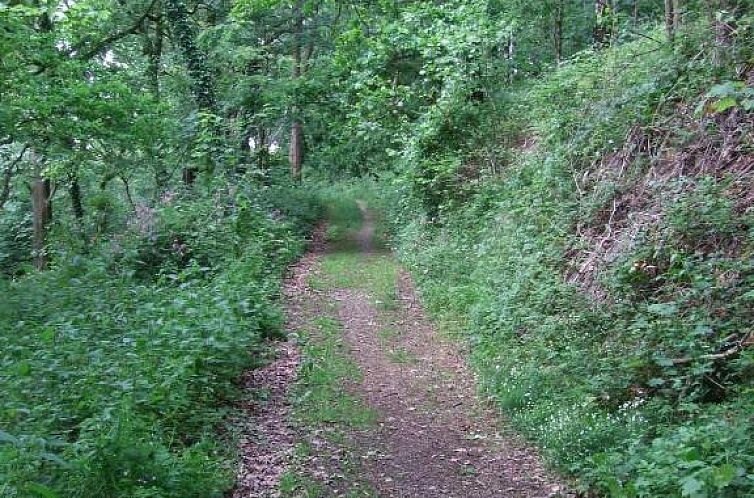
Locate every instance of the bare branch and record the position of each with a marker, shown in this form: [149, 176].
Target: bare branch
[748, 340]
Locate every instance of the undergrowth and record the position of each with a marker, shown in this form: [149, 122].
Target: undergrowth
[621, 388]
[117, 368]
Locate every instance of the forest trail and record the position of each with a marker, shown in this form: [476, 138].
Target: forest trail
[366, 398]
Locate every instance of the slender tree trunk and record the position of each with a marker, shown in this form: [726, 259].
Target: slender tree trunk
[558, 32]
[154, 47]
[77, 205]
[723, 31]
[127, 188]
[263, 150]
[670, 19]
[296, 143]
[295, 150]
[5, 193]
[602, 27]
[41, 201]
[200, 72]
[8, 176]
[510, 57]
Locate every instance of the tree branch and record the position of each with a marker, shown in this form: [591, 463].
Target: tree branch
[131, 30]
[8, 176]
[748, 340]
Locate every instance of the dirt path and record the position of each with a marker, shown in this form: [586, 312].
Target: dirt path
[430, 435]
[268, 435]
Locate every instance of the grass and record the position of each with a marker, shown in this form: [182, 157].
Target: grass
[402, 356]
[322, 398]
[375, 274]
[323, 402]
[321, 395]
[116, 368]
[593, 384]
[346, 267]
[387, 335]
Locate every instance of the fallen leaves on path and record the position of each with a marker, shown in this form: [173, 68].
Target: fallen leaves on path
[434, 437]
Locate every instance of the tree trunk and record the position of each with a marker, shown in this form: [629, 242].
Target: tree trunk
[5, 192]
[263, 150]
[510, 57]
[8, 177]
[41, 217]
[154, 47]
[296, 144]
[296, 150]
[670, 19]
[76, 201]
[558, 32]
[196, 63]
[723, 31]
[77, 206]
[602, 27]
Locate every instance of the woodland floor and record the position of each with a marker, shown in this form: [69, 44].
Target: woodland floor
[365, 398]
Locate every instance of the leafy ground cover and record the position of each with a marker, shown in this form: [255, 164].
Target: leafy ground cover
[117, 368]
[630, 368]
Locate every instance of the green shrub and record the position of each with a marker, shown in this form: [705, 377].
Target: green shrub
[620, 392]
[117, 368]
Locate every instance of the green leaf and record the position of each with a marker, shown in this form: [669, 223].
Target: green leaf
[749, 296]
[8, 438]
[722, 90]
[24, 369]
[664, 362]
[723, 475]
[51, 457]
[48, 335]
[692, 487]
[663, 309]
[724, 104]
[690, 455]
[41, 491]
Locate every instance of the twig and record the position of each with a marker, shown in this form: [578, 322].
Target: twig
[740, 345]
[715, 382]
[646, 36]
[610, 220]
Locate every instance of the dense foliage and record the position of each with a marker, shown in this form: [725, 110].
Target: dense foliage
[117, 368]
[595, 249]
[130, 309]
[570, 182]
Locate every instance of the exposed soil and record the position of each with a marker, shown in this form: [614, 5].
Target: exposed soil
[434, 437]
[266, 446]
[365, 236]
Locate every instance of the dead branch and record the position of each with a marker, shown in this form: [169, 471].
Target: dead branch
[748, 340]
